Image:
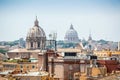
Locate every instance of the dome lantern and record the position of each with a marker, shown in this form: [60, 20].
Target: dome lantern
[36, 22]
[71, 26]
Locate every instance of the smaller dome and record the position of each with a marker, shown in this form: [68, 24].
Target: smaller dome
[71, 35]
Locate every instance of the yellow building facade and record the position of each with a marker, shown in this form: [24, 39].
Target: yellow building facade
[104, 54]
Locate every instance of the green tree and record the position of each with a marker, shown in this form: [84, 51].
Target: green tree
[3, 51]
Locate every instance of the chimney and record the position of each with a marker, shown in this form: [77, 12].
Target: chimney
[119, 46]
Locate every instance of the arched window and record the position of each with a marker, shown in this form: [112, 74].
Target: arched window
[33, 66]
[31, 44]
[38, 44]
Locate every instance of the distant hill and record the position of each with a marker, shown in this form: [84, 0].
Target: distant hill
[102, 41]
[13, 43]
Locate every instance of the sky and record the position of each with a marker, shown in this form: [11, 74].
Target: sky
[101, 18]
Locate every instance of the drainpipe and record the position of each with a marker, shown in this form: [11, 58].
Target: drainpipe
[52, 67]
[46, 61]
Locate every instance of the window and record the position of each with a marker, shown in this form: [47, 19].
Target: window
[31, 44]
[16, 53]
[38, 44]
[21, 66]
[70, 54]
[70, 67]
[70, 76]
[33, 66]
[105, 55]
[27, 66]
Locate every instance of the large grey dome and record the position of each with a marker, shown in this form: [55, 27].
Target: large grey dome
[35, 37]
[36, 31]
[71, 35]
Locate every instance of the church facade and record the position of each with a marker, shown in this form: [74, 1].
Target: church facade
[35, 43]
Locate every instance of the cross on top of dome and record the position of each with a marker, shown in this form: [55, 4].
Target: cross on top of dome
[71, 26]
[36, 22]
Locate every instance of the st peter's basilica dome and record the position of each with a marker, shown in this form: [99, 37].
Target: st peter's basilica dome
[71, 35]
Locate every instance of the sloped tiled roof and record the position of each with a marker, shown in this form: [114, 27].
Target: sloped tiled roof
[23, 50]
[68, 50]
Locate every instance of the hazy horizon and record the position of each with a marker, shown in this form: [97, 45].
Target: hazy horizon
[101, 17]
